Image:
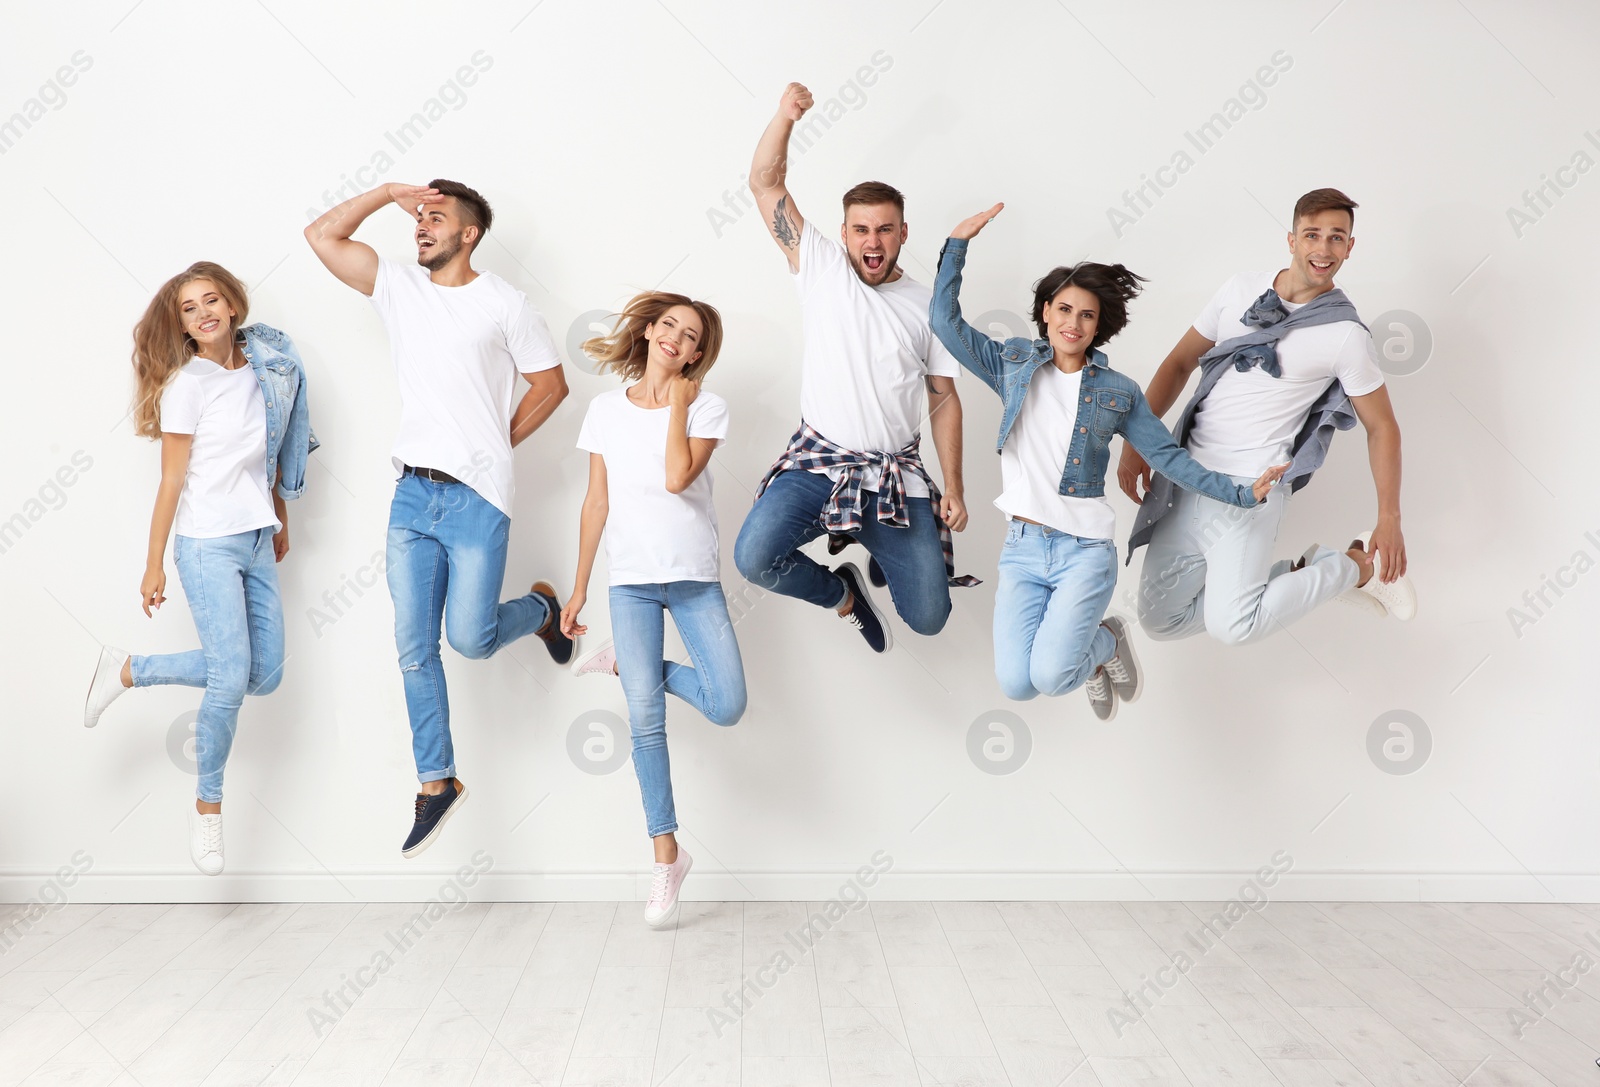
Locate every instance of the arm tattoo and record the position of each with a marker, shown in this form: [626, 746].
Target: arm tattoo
[783, 227]
[933, 390]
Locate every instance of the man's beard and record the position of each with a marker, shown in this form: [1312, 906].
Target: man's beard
[442, 253]
[889, 265]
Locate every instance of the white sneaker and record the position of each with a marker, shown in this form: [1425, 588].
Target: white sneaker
[205, 842]
[1397, 598]
[600, 662]
[1102, 697]
[665, 881]
[105, 686]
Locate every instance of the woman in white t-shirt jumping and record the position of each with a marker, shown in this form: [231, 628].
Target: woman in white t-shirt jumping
[228, 403]
[1063, 405]
[650, 492]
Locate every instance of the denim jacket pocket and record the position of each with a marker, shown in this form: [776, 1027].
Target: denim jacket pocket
[1110, 409]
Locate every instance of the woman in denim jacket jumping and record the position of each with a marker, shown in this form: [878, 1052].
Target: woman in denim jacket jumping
[228, 403]
[1063, 405]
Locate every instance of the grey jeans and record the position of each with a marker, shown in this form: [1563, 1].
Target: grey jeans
[1210, 569]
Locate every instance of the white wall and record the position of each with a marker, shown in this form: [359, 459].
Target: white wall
[606, 134]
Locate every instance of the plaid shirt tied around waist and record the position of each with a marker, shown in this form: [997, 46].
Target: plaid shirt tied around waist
[841, 517]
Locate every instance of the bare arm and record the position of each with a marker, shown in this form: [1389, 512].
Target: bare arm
[546, 390]
[174, 469]
[944, 418]
[1383, 450]
[280, 539]
[686, 457]
[591, 523]
[1162, 392]
[769, 173]
[355, 263]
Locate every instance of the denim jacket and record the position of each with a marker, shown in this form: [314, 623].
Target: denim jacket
[290, 439]
[1110, 404]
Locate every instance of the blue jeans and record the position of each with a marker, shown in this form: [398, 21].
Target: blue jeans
[788, 515]
[446, 563]
[231, 583]
[712, 684]
[1054, 589]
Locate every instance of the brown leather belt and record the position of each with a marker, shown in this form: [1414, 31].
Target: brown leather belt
[432, 474]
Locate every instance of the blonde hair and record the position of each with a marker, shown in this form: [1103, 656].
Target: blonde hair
[625, 351]
[161, 346]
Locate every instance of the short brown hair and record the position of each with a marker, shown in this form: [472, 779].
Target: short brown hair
[875, 192]
[473, 206]
[1323, 200]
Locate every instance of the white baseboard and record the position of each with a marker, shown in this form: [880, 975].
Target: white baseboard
[412, 885]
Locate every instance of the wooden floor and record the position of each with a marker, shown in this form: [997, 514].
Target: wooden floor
[1031, 993]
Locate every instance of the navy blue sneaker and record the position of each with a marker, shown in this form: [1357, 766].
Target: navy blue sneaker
[432, 811]
[864, 615]
[559, 645]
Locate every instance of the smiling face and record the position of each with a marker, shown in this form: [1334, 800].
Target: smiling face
[674, 339]
[442, 232]
[1071, 319]
[205, 314]
[1319, 246]
[873, 235]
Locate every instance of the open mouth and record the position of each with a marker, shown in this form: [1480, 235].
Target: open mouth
[1322, 268]
[667, 349]
[425, 243]
[209, 325]
[873, 262]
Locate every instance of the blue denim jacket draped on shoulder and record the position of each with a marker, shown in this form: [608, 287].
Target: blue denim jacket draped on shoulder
[290, 439]
[1110, 403]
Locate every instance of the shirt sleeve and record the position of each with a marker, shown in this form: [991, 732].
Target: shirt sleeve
[819, 257]
[529, 341]
[181, 402]
[708, 418]
[940, 363]
[589, 436]
[1210, 318]
[1356, 366]
[383, 288]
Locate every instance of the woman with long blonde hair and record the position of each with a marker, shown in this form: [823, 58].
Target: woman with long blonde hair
[650, 492]
[227, 401]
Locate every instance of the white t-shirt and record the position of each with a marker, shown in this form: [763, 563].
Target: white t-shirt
[226, 490]
[1250, 419]
[1035, 456]
[865, 355]
[652, 535]
[457, 352]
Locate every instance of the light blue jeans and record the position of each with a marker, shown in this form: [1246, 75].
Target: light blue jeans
[231, 583]
[446, 564]
[1054, 589]
[712, 683]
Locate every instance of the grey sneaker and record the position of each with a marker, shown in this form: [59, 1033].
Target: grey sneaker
[1127, 678]
[1102, 697]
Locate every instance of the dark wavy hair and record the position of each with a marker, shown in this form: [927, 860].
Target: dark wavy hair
[1112, 284]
